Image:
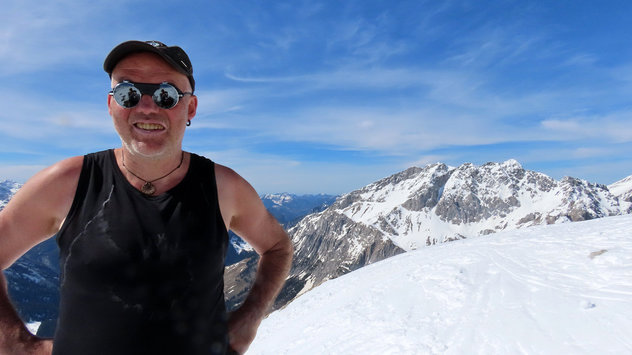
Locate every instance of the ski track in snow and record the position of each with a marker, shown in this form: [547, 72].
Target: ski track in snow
[560, 289]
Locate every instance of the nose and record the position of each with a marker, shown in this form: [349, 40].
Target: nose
[146, 105]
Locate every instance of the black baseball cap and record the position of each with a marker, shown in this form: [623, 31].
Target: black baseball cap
[174, 55]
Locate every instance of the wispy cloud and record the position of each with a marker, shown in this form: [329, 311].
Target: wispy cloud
[441, 107]
[615, 127]
[39, 35]
[308, 87]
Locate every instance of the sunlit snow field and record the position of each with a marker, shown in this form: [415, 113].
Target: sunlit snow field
[559, 289]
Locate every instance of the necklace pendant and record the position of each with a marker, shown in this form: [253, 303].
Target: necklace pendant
[148, 189]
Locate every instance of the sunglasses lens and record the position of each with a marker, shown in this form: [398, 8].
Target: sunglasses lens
[166, 96]
[127, 95]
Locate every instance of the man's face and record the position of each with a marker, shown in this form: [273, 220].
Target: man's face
[146, 129]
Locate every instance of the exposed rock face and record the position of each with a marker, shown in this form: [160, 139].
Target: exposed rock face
[238, 279]
[327, 245]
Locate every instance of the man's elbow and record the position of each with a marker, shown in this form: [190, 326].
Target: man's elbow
[282, 251]
[284, 248]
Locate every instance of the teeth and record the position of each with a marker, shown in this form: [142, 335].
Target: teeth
[149, 126]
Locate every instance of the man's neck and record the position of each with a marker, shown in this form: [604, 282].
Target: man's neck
[162, 172]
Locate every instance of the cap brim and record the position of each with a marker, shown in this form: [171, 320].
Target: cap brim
[126, 48]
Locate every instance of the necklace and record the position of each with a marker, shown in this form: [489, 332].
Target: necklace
[149, 188]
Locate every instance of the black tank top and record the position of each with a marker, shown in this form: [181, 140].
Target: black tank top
[142, 274]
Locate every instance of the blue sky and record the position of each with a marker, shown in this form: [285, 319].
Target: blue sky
[329, 96]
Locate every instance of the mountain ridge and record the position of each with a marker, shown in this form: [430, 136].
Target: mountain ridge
[453, 202]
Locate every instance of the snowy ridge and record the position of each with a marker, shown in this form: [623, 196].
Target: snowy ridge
[278, 198]
[424, 206]
[240, 245]
[623, 190]
[7, 189]
[557, 289]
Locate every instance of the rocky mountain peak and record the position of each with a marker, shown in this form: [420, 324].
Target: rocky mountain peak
[512, 164]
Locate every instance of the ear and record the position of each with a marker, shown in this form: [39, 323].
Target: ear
[110, 97]
[192, 107]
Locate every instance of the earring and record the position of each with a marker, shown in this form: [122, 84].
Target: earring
[188, 123]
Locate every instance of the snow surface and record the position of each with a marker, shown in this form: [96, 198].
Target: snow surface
[557, 289]
[621, 187]
[33, 327]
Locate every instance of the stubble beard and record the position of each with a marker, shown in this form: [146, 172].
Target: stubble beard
[136, 149]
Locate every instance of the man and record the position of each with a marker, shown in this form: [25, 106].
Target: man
[142, 229]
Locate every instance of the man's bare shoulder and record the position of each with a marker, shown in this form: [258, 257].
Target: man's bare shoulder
[53, 187]
[61, 175]
[226, 175]
[69, 168]
[236, 195]
[231, 184]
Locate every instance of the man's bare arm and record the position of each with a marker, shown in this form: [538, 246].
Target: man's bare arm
[249, 218]
[273, 268]
[34, 214]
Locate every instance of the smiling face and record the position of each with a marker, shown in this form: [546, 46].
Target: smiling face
[146, 129]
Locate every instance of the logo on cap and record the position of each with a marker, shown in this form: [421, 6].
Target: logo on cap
[155, 44]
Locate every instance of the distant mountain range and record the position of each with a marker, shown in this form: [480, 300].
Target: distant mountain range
[425, 206]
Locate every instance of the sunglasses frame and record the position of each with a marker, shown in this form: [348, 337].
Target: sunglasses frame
[148, 89]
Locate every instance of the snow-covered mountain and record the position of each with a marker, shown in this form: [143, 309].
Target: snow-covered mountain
[558, 289]
[425, 206]
[7, 189]
[438, 203]
[622, 189]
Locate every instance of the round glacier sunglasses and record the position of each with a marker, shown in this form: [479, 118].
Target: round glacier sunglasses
[127, 94]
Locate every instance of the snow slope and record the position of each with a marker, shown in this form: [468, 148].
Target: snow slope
[557, 289]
